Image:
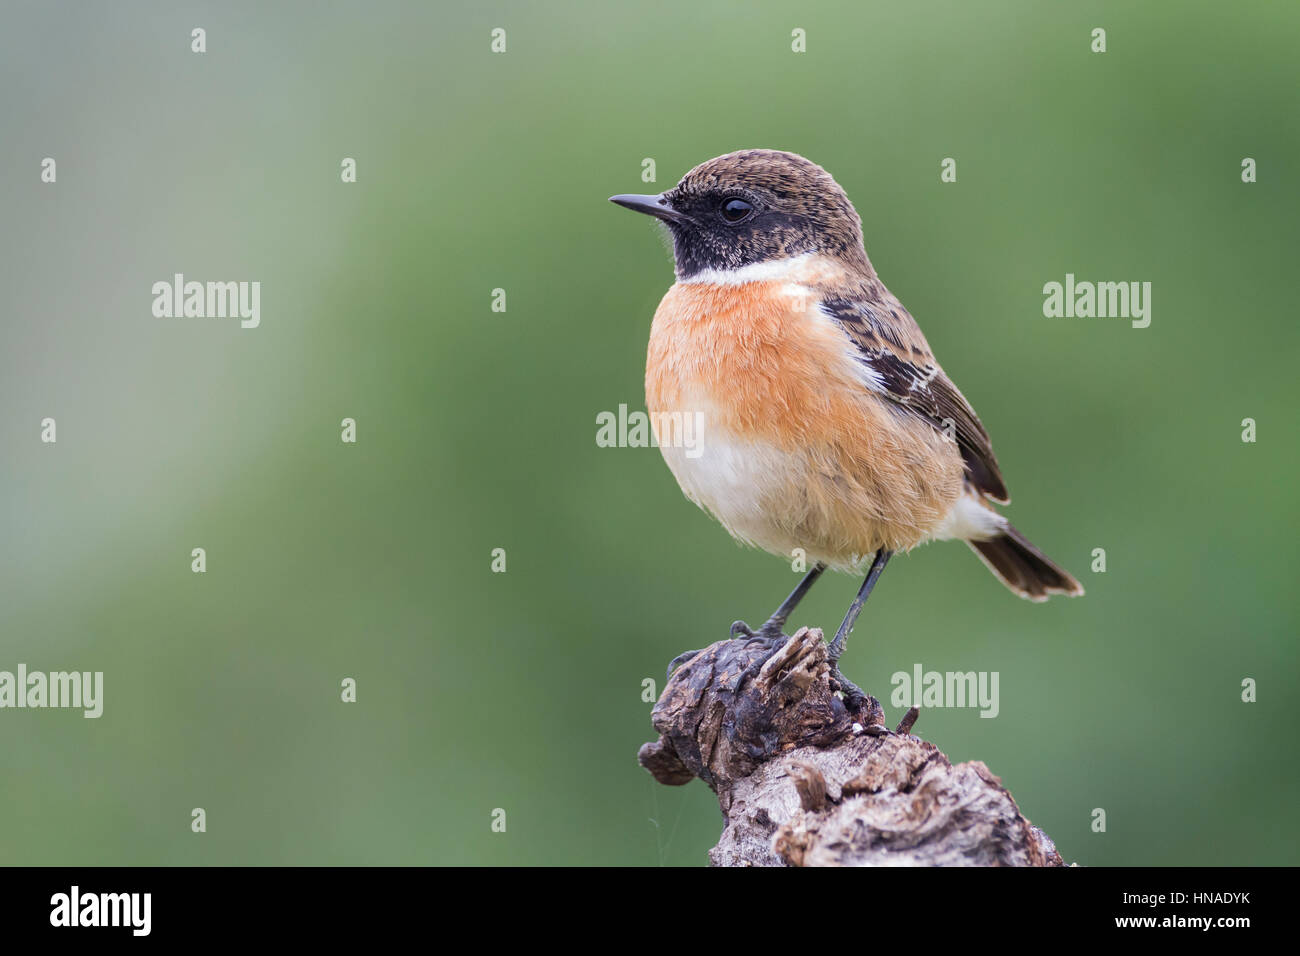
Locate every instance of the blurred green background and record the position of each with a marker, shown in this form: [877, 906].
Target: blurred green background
[522, 690]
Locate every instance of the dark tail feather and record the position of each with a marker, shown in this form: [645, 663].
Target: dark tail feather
[1023, 568]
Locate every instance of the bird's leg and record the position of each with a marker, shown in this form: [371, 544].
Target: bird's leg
[772, 632]
[775, 626]
[836, 649]
[853, 695]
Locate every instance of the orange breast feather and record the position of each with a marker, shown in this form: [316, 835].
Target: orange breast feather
[837, 469]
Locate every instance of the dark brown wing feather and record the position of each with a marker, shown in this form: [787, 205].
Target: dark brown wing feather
[895, 351]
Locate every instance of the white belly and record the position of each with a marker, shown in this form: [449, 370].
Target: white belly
[772, 499]
[745, 486]
[783, 502]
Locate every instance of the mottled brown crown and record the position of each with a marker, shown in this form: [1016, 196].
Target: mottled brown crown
[798, 208]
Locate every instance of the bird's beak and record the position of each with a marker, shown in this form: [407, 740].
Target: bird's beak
[656, 206]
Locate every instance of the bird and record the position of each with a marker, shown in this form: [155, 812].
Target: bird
[826, 427]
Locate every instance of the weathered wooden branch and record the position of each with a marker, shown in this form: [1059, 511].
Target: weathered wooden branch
[803, 782]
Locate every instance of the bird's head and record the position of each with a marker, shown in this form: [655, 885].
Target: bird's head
[754, 206]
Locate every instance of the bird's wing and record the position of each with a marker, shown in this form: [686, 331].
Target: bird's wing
[902, 368]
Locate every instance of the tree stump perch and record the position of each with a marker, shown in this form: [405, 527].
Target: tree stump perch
[802, 782]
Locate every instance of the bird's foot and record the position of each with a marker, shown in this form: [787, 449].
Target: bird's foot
[678, 661]
[771, 632]
[770, 635]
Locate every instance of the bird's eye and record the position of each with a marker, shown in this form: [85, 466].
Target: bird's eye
[735, 210]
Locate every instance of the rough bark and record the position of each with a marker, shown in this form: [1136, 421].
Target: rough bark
[803, 782]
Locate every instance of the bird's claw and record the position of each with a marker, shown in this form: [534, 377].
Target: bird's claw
[772, 632]
[678, 661]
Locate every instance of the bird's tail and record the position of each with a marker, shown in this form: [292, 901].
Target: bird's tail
[1023, 568]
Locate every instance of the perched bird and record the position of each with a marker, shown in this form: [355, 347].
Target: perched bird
[826, 423]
